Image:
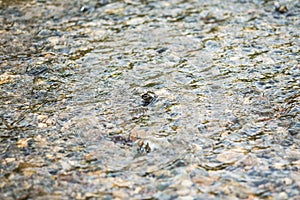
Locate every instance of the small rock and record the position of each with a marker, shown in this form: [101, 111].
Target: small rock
[84, 9]
[120, 194]
[282, 196]
[143, 147]
[44, 32]
[23, 142]
[50, 121]
[280, 8]
[288, 181]
[162, 186]
[54, 40]
[37, 70]
[148, 98]
[7, 77]
[161, 50]
[90, 157]
[229, 156]
[42, 125]
[9, 160]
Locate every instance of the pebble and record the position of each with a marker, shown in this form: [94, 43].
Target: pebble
[44, 32]
[229, 156]
[42, 118]
[120, 195]
[162, 186]
[42, 125]
[7, 77]
[288, 181]
[186, 198]
[282, 196]
[54, 40]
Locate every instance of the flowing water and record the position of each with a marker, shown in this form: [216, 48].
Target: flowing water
[147, 99]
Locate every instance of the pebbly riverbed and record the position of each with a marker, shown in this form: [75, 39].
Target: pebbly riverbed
[123, 99]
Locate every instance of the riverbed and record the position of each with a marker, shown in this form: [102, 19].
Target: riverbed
[123, 99]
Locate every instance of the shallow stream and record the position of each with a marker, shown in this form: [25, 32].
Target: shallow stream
[123, 99]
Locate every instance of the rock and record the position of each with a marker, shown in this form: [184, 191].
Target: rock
[229, 156]
[7, 77]
[280, 8]
[282, 196]
[42, 125]
[44, 32]
[22, 143]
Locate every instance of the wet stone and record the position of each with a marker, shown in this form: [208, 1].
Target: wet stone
[148, 98]
[280, 8]
[282, 196]
[38, 70]
[44, 32]
[122, 140]
[161, 50]
[143, 147]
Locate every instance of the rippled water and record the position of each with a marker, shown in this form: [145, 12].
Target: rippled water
[147, 99]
